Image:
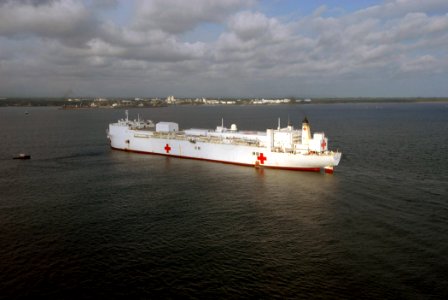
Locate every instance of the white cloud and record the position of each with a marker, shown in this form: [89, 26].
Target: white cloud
[397, 39]
[247, 25]
[422, 63]
[397, 8]
[178, 16]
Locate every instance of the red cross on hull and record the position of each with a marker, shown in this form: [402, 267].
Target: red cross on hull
[167, 148]
[261, 158]
[323, 144]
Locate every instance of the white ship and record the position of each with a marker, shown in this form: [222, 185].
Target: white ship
[281, 148]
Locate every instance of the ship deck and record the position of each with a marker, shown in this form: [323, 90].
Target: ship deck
[181, 135]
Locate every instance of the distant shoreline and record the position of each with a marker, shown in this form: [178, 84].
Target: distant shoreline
[92, 103]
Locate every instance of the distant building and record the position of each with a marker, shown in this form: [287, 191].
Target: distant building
[212, 102]
[170, 100]
[271, 101]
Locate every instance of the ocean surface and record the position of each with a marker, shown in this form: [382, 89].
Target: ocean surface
[82, 221]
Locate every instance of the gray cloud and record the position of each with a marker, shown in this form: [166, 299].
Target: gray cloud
[66, 20]
[177, 16]
[54, 46]
[104, 4]
[27, 2]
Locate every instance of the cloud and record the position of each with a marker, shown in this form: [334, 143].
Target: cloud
[247, 25]
[178, 16]
[151, 45]
[396, 8]
[251, 34]
[253, 51]
[65, 19]
[422, 63]
[104, 4]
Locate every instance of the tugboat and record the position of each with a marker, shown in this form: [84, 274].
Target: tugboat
[22, 156]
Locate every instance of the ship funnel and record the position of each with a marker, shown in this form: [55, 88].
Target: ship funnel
[306, 131]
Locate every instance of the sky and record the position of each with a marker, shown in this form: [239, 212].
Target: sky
[224, 48]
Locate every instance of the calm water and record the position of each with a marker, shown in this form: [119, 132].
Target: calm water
[79, 220]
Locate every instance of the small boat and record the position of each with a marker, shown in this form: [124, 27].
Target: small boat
[22, 156]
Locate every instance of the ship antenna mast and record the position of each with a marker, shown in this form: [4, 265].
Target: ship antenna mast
[222, 122]
[127, 115]
[278, 124]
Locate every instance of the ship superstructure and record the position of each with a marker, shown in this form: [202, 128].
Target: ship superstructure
[283, 148]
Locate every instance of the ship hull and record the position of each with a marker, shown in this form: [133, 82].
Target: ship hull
[316, 169]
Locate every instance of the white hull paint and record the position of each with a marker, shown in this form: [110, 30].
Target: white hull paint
[275, 149]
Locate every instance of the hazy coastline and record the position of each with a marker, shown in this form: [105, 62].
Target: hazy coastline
[91, 102]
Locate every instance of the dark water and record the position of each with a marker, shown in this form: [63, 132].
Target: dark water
[79, 220]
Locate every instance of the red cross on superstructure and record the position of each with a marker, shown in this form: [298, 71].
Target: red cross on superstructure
[323, 144]
[167, 148]
[261, 158]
